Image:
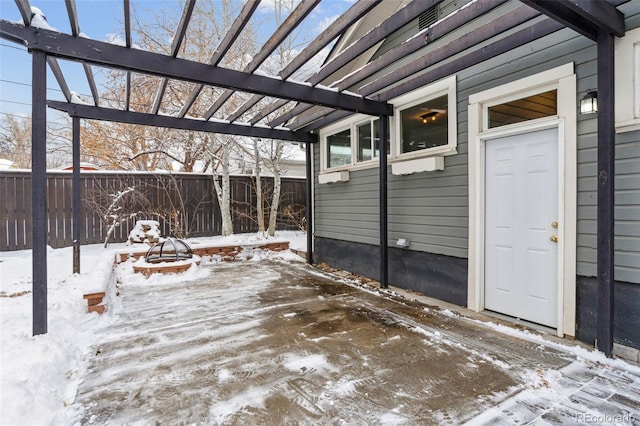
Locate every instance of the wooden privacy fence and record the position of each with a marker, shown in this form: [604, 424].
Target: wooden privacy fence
[185, 204]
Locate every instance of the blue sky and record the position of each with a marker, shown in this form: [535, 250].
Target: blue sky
[100, 20]
[97, 19]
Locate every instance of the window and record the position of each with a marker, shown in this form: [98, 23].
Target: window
[365, 148]
[376, 138]
[358, 143]
[627, 81]
[426, 121]
[424, 125]
[339, 149]
[536, 106]
[368, 146]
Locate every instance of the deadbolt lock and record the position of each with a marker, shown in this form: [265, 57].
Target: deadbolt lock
[554, 225]
[554, 238]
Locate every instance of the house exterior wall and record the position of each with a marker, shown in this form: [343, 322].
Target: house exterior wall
[430, 209]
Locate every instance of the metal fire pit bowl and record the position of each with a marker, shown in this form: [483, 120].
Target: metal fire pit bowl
[170, 250]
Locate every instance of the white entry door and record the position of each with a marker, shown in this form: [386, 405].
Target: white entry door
[521, 220]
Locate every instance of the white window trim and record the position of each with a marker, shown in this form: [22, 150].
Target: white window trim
[446, 86]
[627, 81]
[368, 120]
[564, 80]
[332, 130]
[352, 124]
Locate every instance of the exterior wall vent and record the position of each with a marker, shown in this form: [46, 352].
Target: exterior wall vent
[428, 17]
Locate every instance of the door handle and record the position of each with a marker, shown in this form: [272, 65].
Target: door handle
[554, 238]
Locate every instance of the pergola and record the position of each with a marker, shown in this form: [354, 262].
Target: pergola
[300, 108]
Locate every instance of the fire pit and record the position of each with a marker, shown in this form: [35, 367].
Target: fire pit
[170, 256]
[170, 250]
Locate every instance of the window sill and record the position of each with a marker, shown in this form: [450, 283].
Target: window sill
[428, 164]
[332, 177]
[627, 126]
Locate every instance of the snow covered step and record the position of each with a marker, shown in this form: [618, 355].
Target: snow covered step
[94, 302]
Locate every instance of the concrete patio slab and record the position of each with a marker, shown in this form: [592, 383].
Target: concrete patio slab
[276, 343]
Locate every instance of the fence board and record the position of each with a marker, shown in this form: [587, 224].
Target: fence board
[12, 214]
[191, 195]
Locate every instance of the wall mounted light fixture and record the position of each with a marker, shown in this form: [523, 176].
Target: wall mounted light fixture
[589, 103]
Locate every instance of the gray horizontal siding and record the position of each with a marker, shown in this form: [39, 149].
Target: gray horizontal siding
[348, 210]
[627, 181]
[430, 209]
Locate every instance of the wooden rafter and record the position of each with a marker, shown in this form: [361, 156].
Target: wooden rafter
[236, 28]
[25, 13]
[127, 43]
[109, 55]
[291, 23]
[72, 11]
[345, 20]
[175, 48]
[373, 37]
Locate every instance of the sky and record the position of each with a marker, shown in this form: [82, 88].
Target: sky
[100, 20]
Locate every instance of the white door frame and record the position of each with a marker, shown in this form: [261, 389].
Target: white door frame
[563, 80]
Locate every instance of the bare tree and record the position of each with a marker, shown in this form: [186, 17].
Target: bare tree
[15, 141]
[122, 146]
[258, 179]
[283, 55]
[223, 191]
[116, 204]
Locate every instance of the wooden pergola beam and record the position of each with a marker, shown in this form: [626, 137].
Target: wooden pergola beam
[109, 55]
[25, 13]
[587, 17]
[154, 120]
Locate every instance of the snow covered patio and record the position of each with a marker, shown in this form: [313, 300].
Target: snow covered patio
[277, 342]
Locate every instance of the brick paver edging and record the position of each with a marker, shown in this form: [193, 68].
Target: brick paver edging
[94, 300]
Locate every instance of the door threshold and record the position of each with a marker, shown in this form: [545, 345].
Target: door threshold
[524, 323]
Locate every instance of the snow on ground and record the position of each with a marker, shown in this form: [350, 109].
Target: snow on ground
[39, 374]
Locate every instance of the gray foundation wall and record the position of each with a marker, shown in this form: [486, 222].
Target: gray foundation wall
[439, 276]
[445, 278]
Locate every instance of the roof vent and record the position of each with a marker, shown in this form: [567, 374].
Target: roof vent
[428, 17]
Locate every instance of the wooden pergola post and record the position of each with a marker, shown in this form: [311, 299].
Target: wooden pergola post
[39, 190]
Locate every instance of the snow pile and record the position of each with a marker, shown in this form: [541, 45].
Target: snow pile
[145, 231]
[38, 20]
[76, 99]
[43, 371]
